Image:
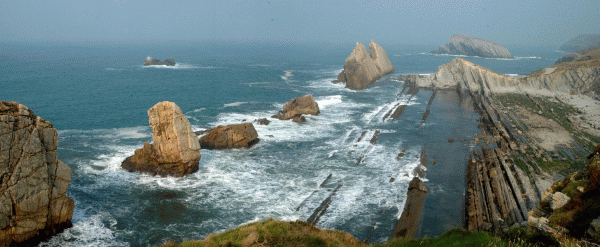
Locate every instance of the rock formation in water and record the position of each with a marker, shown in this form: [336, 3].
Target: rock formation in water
[580, 76]
[33, 183]
[581, 42]
[573, 56]
[153, 61]
[469, 46]
[411, 215]
[231, 136]
[362, 69]
[298, 106]
[175, 151]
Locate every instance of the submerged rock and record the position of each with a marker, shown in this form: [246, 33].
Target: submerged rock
[298, 106]
[153, 61]
[231, 136]
[469, 46]
[33, 182]
[175, 151]
[362, 69]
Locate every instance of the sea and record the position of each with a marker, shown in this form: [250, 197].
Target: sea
[97, 97]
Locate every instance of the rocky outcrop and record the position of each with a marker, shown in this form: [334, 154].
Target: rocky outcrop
[411, 215]
[362, 69]
[581, 42]
[581, 76]
[175, 151]
[231, 136]
[33, 182]
[573, 56]
[153, 61]
[469, 46]
[298, 106]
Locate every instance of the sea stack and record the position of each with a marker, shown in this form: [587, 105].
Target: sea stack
[298, 106]
[33, 182]
[362, 69]
[175, 151]
[469, 46]
[242, 135]
[153, 61]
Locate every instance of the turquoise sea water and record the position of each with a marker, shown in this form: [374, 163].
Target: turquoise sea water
[98, 96]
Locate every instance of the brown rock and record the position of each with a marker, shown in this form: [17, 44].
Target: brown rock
[362, 69]
[33, 183]
[411, 215]
[262, 121]
[450, 140]
[298, 106]
[231, 136]
[175, 151]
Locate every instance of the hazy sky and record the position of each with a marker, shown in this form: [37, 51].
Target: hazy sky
[506, 22]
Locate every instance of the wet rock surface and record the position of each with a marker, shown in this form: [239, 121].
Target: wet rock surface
[231, 136]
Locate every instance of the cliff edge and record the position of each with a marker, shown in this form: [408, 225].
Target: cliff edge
[362, 69]
[469, 46]
[33, 182]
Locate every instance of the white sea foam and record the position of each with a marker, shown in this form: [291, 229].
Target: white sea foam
[235, 104]
[89, 232]
[325, 102]
[288, 74]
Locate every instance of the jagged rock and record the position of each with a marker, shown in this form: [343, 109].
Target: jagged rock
[298, 106]
[594, 230]
[33, 183]
[362, 69]
[153, 61]
[175, 151]
[231, 136]
[411, 215]
[559, 200]
[469, 46]
[262, 121]
[581, 42]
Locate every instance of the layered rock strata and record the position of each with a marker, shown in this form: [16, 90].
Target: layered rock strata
[33, 182]
[581, 42]
[362, 69]
[153, 61]
[469, 46]
[573, 56]
[175, 151]
[231, 136]
[411, 214]
[298, 106]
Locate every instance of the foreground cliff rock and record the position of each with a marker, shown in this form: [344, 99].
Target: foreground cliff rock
[469, 46]
[175, 151]
[362, 69]
[33, 183]
[298, 106]
[411, 215]
[153, 61]
[231, 136]
[581, 42]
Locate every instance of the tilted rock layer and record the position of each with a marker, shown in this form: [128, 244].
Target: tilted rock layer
[231, 136]
[175, 151]
[153, 61]
[469, 46]
[298, 106]
[362, 69]
[33, 182]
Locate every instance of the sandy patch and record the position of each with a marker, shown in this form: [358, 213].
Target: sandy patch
[589, 118]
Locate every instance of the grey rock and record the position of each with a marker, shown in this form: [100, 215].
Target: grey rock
[559, 200]
[153, 61]
[469, 46]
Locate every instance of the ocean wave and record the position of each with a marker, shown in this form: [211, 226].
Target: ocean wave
[239, 103]
[495, 58]
[139, 132]
[287, 75]
[181, 66]
[89, 232]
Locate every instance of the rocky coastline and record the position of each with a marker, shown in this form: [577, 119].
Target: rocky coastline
[470, 46]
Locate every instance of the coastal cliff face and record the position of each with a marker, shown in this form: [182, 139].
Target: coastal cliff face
[469, 46]
[362, 69]
[153, 61]
[175, 151]
[33, 182]
[581, 42]
[573, 56]
[581, 76]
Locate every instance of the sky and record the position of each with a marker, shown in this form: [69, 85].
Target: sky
[405, 22]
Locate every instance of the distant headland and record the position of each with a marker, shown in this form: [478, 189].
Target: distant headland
[469, 46]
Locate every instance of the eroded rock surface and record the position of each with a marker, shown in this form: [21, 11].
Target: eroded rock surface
[297, 107]
[411, 215]
[175, 151]
[362, 69]
[469, 46]
[33, 183]
[153, 61]
[231, 136]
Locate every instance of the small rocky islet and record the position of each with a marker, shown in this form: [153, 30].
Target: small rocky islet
[470, 46]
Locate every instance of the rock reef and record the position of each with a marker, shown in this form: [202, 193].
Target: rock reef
[469, 46]
[581, 42]
[362, 69]
[175, 151]
[33, 182]
[231, 136]
[153, 61]
[298, 106]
